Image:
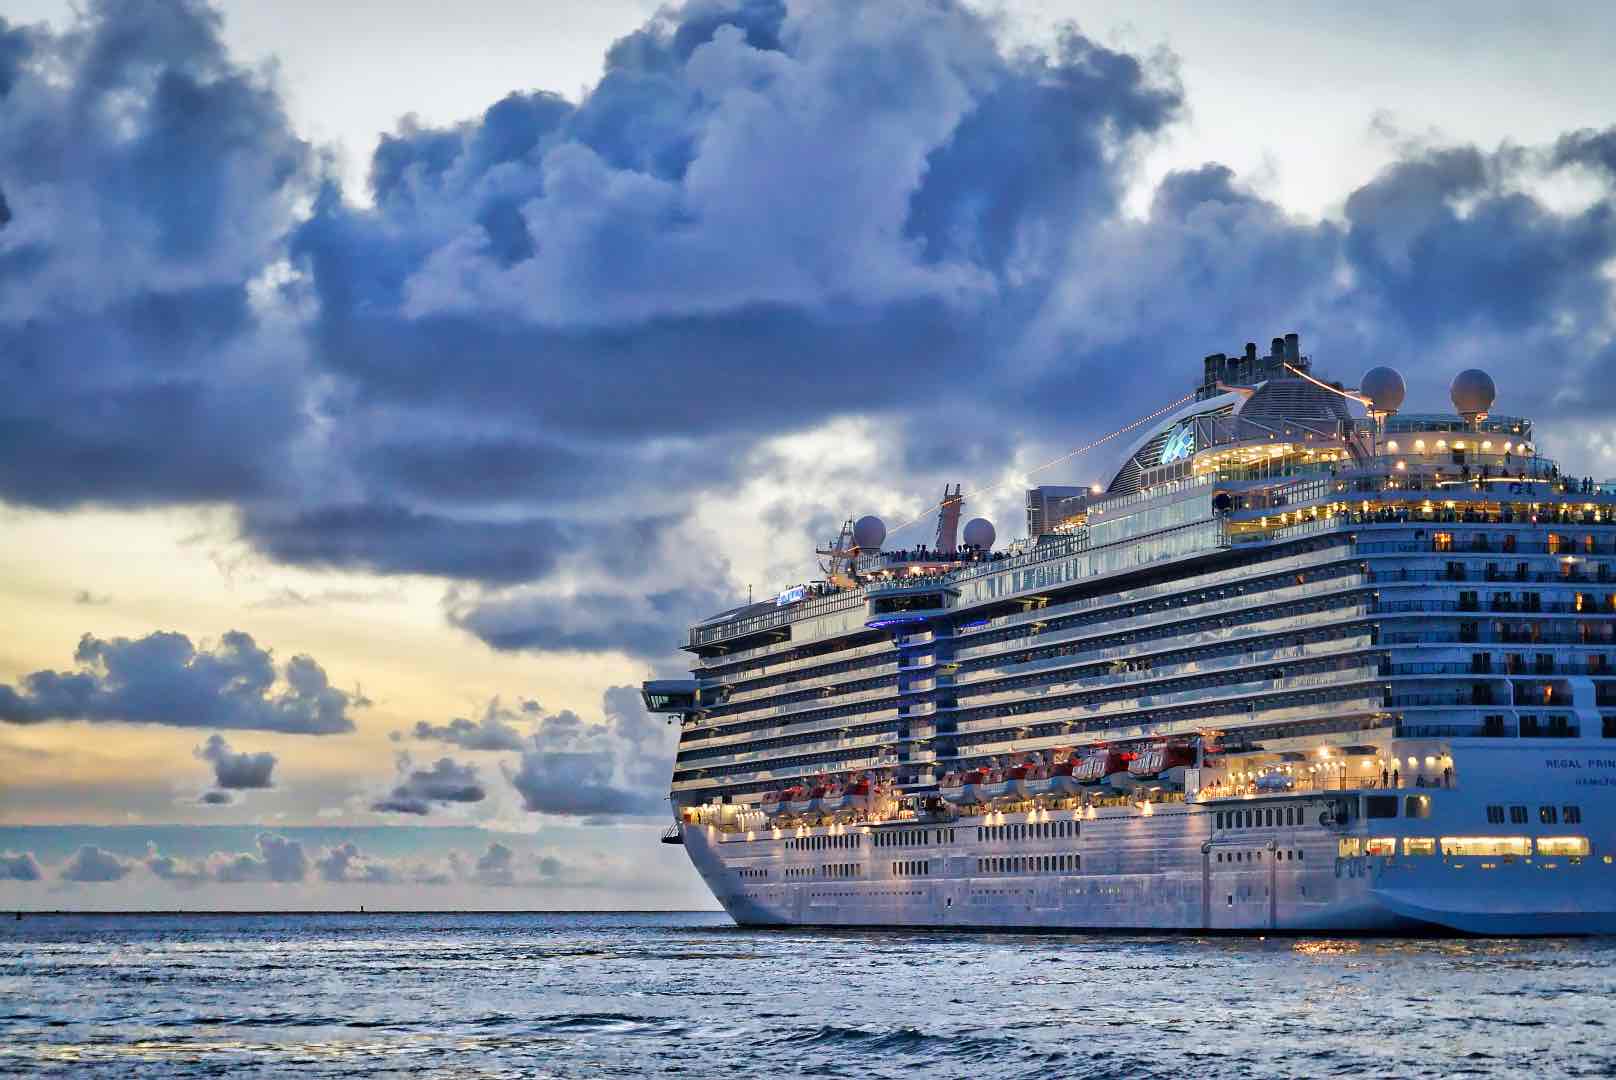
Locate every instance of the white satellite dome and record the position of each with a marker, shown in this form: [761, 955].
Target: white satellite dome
[979, 534]
[869, 532]
[1384, 388]
[1473, 392]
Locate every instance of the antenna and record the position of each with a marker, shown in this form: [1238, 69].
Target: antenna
[838, 558]
[948, 517]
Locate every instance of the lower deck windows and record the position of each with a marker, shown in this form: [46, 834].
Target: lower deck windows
[911, 868]
[1563, 845]
[1419, 845]
[1029, 864]
[1486, 845]
[1380, 845]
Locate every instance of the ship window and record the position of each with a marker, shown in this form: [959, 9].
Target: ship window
[1417, 806]
[1517, 815]
[1572, 815]
[1347, 847]
[1562, 845]
[1419, 845]
[1495, 815]
[1380, 806]
[1380, 845]
[1486, 845]
[1548, 815]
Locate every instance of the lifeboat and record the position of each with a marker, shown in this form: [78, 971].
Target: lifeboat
[1162, 764]
[1062, 778]
[798, 800]
[1106, 766]
[952, 787]
[832, 799]
[1028, 779]
[773, 803]
[991, 786]
[861, 795]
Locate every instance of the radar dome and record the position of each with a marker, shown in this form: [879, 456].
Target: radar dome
[869, 532]
[1383, 386]
[979, 534]
[1472, 392]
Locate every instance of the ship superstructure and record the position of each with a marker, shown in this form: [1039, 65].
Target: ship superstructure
[1291, 667]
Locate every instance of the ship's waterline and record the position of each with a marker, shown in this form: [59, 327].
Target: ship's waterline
[1288, 668]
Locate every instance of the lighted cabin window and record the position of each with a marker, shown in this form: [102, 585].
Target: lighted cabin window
[1442, 541]
[1562, 845]
[1348, 847]
[1419, 845]
[1417, 806]
[1548, 815]
[1380, 845]
[1486, 845]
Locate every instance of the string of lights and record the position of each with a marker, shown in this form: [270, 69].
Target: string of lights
[1359, 398]
[1069, 455]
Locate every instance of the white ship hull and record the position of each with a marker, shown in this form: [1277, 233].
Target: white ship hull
[1174, 870]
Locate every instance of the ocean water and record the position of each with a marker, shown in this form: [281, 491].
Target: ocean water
[690, 994]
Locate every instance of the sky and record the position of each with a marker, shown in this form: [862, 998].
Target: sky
[381, 395]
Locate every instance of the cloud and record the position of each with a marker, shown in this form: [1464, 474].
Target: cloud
[277, 859]
[85, 598]
[618, 767]
[91, 864]
[151, 182]
[494, 731]
[446, 781]
[501, 867]
[164, 679]
[762, 222]
[19, 866]
[236, 771]
[283, 861]
[216, 798]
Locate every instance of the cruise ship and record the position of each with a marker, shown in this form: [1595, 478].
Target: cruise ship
[1303, 662]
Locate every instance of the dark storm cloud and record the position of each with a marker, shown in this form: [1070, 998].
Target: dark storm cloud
[216, 798]
[150, 181]
[164, 679]
[19, 866]
[557, 326]
[419, 790]
[236, 771]
[649, 626]
[495, 730]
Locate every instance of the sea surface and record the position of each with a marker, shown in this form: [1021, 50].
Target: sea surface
[690, 994]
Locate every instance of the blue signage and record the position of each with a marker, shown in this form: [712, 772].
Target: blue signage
[1180, 444]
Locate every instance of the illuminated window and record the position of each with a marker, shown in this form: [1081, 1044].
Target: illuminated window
[1562, 845]
[1486, 845]
[1347, 847]
[1380, 845]
[1548, 815]
[1419, 845]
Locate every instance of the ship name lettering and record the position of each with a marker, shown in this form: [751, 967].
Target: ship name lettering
[1563, 763]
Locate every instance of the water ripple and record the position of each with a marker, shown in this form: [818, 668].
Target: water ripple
[604, 996]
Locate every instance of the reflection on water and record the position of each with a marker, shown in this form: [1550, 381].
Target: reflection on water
[630, 995]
